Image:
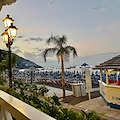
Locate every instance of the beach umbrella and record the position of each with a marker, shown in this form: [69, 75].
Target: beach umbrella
[31, 69]
[84, 64]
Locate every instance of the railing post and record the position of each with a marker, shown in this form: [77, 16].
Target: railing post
[5, 115]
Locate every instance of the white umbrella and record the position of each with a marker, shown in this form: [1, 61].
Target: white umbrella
[31, 70]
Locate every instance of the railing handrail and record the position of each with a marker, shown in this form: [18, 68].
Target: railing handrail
[20, 110]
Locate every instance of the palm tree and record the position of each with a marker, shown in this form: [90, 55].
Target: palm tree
[62, 52]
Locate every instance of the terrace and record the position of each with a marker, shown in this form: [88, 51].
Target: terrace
[12, 107]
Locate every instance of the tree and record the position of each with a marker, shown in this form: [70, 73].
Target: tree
[62, 52]
[3, 67]
[14, 60]
[2, 55]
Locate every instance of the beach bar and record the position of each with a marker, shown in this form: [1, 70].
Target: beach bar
[110, 86]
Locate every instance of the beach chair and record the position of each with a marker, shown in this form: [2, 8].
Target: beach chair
[56, 82]
[111, 81]
[52, 82]
[60, 82]
[118, 82]
[45, 81]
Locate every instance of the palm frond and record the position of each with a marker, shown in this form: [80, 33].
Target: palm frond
[57, 40]
[62, 41]
[66, 55]
[73, 50]
[65, 52]
[52, 39]
[58, 54]
[47, 51]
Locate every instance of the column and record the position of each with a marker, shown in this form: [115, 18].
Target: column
[107, 77]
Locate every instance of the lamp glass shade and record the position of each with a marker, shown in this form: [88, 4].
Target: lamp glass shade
[7, 21]
[12, 32]
[5, 37]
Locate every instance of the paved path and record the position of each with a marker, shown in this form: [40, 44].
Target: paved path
[57, 91]
[98, 105]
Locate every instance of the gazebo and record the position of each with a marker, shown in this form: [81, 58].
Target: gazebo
[110, 88]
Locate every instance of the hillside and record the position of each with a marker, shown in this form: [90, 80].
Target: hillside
[24, 64]
[21, 62]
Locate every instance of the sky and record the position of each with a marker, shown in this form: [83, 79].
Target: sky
[91, 26]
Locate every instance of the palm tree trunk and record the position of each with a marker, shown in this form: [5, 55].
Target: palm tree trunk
[63, 82]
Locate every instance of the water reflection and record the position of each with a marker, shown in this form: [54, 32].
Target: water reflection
[6, 2]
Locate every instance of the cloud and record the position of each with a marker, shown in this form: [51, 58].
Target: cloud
[38, 49]
[29, 55]
[20, 36]
[102, 14]
[33, 56]
[95, 8]
[15, 47]
[17, 51]
[25, 30]
[103, 10]
[34, 39]
[109, 27]
[51, 2]
[114, 25]
[89, 47]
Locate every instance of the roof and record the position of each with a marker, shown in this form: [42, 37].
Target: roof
[113, 63]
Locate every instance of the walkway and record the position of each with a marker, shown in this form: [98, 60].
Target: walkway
[98, 105]
[57, 91]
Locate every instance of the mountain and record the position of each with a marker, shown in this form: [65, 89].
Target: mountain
[21, 62]
[25, 64]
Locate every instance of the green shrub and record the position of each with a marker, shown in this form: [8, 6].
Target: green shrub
[56, 99]
[1, 81]
[43, 90]
[50, 106]
[91, 115]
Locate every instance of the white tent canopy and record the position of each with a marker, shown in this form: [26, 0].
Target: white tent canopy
[31, 69]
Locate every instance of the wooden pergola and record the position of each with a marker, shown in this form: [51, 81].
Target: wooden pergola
[110, 91]
[113, 63]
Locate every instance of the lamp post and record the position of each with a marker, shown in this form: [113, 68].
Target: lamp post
[8, 36]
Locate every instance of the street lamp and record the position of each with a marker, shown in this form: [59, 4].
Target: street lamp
[8, 36]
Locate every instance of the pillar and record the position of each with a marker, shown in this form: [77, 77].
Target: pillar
[107, 77]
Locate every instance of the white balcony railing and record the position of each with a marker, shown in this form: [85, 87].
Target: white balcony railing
[11, 106]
